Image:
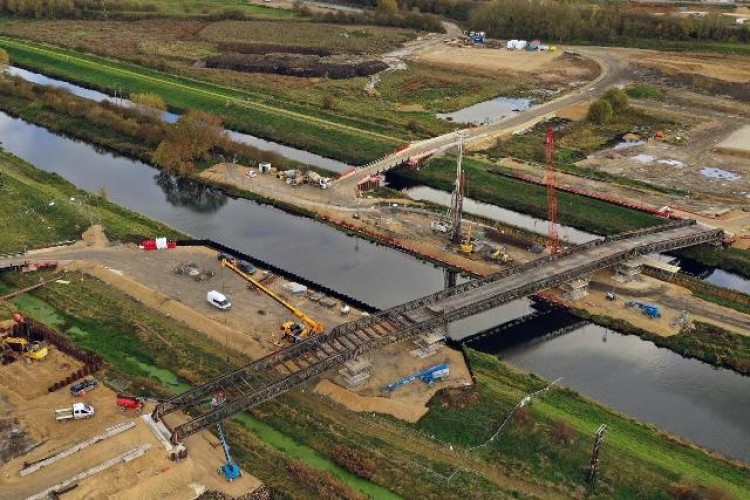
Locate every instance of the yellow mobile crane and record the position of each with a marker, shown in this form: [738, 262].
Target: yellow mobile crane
[291, 330]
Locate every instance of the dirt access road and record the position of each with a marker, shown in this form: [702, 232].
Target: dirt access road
[614, 70]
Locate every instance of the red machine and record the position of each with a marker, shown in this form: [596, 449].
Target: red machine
[129, 402]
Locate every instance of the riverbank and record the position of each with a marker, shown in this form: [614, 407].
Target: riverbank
[551, 436]
[40, 209]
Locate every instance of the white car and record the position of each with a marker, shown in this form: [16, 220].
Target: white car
[218, 300]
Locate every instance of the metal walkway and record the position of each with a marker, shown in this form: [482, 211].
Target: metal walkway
[275, 374]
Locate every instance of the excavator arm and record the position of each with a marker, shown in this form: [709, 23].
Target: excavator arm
[315, 326]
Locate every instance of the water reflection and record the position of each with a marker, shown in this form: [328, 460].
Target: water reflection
[195, 196]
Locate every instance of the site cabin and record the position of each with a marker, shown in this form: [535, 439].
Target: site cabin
[76, 412]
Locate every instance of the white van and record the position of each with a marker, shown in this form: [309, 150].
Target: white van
[218, 299]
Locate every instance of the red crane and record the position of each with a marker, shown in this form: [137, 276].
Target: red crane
[551, 181]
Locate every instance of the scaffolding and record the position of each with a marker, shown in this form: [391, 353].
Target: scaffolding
[628, 270]
[428, 344]
[356, 372]
[576, 289]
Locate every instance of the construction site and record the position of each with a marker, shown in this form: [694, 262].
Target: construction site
[295, 332]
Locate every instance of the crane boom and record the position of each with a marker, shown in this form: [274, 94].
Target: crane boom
[315, 326]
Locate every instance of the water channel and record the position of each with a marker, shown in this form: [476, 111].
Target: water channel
[285, 151]
[632, 375]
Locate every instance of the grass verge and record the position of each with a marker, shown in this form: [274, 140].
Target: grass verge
[482, 185]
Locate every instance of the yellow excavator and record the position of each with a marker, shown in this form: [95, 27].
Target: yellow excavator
[35, 351]
[467, 244]
[32, 350]
[290, 330]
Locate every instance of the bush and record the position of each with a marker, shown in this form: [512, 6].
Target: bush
[645, 92]
[563, 433]
[353, 461]
[600, 112]
[618, 99]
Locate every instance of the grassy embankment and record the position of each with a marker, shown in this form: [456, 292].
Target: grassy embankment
[405, 101]
[574, 210]
[323, 133]
[636, 459]
[39, 209]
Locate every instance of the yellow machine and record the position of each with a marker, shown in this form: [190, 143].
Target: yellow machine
[467, 244]
[291, 330]
[500, 255]
[34, 350]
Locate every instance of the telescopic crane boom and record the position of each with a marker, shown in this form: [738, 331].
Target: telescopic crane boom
[294, 330]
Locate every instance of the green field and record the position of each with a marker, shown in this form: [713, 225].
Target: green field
[242, 110]
[39, 209]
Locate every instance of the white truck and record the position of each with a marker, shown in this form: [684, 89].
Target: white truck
[75, 412]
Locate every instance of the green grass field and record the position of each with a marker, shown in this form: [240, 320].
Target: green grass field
[38, 209]
[242, 110]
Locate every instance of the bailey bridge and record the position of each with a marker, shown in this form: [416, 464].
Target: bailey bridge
[268, 377]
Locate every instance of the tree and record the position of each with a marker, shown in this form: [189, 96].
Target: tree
[190, 139]
[618, 98]
[389, 7]
[149, 104]
[4, 58]
[600, 112]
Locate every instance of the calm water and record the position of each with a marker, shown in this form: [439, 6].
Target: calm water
[488, 111]
[684, 396]
[285, 151]
[375, 274]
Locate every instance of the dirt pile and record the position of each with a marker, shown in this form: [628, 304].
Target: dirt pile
[95, 237]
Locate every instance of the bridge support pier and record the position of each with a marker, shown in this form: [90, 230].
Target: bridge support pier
[576, 289]
[628, 270]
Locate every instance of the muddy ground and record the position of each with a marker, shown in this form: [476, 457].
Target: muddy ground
[152, 475]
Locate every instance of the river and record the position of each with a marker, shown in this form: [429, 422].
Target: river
[631, 375]
[285, 151]
[684, 396]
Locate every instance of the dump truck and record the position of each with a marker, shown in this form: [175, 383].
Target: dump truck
[76, 412]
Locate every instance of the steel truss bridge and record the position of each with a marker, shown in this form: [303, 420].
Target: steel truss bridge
[268, 377]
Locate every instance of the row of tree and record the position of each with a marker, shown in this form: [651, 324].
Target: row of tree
[597, 23]
[70, 8]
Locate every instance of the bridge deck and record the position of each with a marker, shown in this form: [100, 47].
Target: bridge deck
[268, 377]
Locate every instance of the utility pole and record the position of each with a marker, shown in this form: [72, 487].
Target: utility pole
[551, 181]
[598, 439]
